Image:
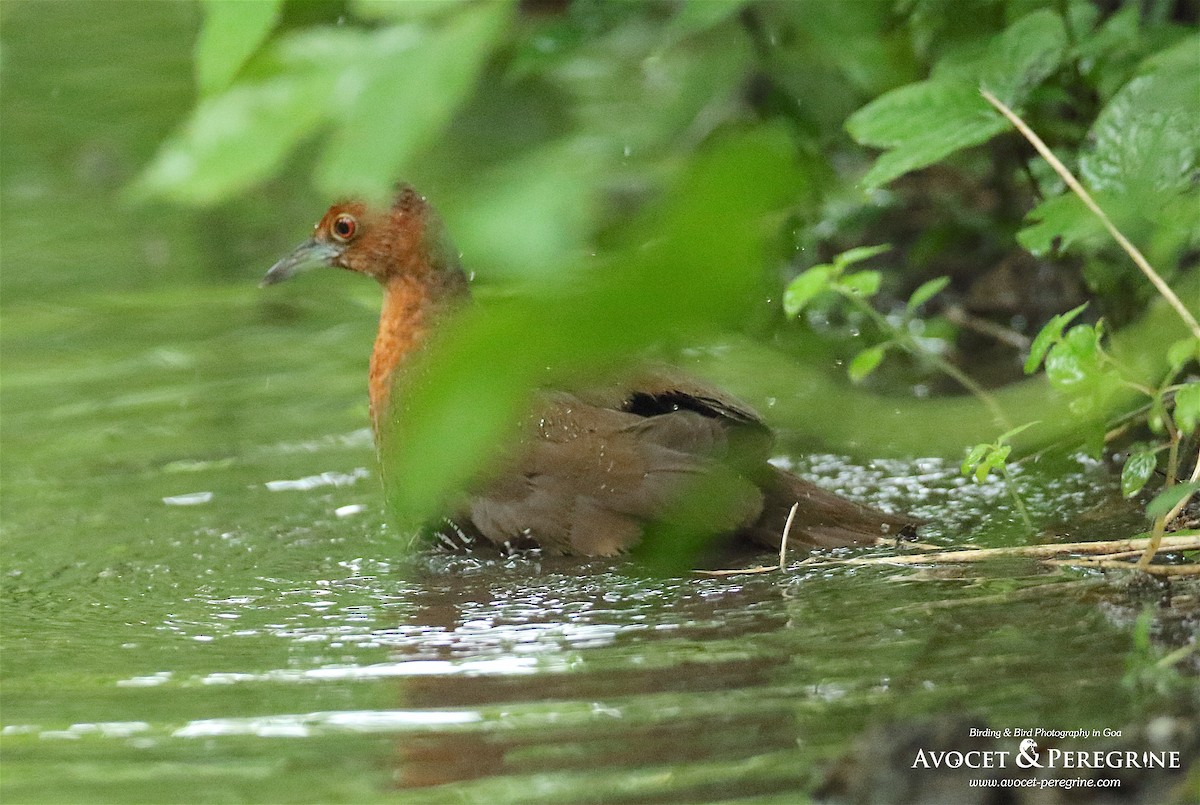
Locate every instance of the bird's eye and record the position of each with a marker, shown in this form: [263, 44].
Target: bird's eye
[344, 227]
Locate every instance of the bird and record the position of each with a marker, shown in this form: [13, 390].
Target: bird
[596, 467]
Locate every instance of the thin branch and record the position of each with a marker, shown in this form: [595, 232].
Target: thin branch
[1139, 260]
[787, 529]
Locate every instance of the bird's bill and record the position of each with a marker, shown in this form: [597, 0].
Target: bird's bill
[311, 254]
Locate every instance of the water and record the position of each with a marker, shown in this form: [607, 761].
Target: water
[203, 601]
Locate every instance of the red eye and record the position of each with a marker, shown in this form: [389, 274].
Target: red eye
[344, 227]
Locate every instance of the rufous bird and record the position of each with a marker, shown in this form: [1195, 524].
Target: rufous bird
[595, 467]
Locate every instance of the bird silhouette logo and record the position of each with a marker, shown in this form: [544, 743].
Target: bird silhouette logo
[1027, 754]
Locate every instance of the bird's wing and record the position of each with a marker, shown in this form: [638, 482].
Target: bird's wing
[595, 467]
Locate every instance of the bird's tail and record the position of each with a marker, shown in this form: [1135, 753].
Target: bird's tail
[823, 519]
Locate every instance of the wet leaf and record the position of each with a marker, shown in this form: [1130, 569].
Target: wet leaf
[1138, 469]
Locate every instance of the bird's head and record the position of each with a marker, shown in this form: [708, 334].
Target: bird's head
[405, 240]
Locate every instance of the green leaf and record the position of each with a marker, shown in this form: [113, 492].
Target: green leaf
[922, 124]
[925, 122]
[1138, 469]
[804, 288]
[231, 32]
[865, 362]
[1048, 336]
[1075, 360]
[974, 457]
[1023, 56]
[862, 283]
[1187, 407]
[410, 88]
[236, 139]
[1182, 351]
[1061, 221]
[857, 255]
[926, 291]
[1165, 500]
[1011, 434]
[694, 18]
[1144, 142]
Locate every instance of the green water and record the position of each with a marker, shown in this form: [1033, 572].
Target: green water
[202, 600]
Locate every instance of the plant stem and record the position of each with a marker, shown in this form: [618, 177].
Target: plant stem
[911, 346]
[1138, 258]
[1011, 484]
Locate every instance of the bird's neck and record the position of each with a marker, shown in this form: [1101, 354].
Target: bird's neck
[411, 306]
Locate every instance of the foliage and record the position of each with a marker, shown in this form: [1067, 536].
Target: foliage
[545, 132]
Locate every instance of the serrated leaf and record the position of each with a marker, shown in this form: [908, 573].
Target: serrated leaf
[804, 288]
[857, 255]
[865, 362]
[398, 113]
[1187, 407]
[1138, 469]
[229, 36]
[926, 291]
[1048, 336]
[862, 283]
[1182, 351]
[922, 123]
[1165, 500]
[1060, 222]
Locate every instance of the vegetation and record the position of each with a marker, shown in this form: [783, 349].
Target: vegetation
[640, 172]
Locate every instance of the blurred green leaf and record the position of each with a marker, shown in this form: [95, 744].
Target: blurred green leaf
[1138, 469]
[1182, 351]
[410, 88]
[857, 255]
[232, 31]
[1165, 500]
[804, 288]
[865, 362]
[973, 458]
[926, 291]
[709, 228]
[1187, 407]
[404, 10]
[236, 139]
[693, 18]
[1028, 52]
[862, 283]
[1048, 336]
